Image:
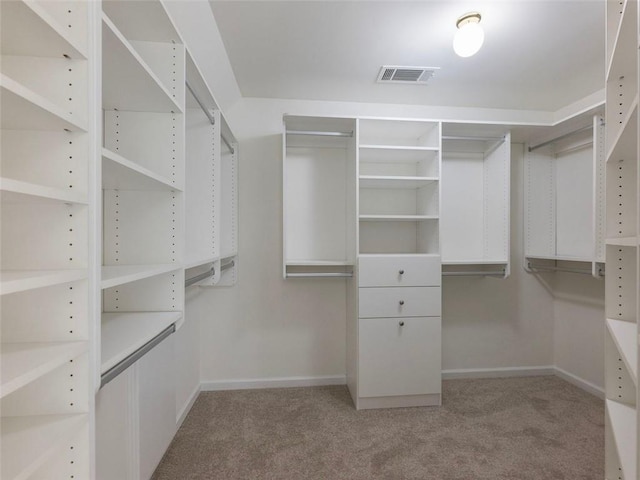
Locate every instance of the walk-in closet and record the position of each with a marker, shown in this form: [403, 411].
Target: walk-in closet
[319, 240]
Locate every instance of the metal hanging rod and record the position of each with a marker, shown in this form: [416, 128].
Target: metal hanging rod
[319, 133]
[472, 138]
[561, 137]
[600, 272]
[227, 143]
[327, 275]
[209, 115]
[117, 369]
[227, 266]
[575, 149]
[497, 273]
[206, 111]
[198, 278]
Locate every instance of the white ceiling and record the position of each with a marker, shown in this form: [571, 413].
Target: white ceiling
[537, 55]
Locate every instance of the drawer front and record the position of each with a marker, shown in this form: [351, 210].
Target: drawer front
[399, 302]
[399, 271]
[399, 360]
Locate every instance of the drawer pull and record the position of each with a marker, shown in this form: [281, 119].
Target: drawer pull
[401, 302]
[401, 272]
[401, 323]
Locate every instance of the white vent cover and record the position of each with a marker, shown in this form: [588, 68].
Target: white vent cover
[395, 74]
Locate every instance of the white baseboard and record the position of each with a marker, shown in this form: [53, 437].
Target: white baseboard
[280, 382]
[286, 382]
[580, 383]
[187, 408]
[498, 372]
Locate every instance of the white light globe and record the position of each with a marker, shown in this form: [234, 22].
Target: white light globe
[468, 39]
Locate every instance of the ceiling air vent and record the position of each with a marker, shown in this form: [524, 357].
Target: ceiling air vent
[395, 74]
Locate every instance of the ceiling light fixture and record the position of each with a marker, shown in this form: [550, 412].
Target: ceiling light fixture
[470, 36]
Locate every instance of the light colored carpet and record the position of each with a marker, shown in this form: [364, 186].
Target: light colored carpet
[534, 428]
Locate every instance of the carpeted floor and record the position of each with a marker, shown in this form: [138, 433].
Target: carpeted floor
[534, 428]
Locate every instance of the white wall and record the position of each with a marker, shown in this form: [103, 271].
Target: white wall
[579, 327]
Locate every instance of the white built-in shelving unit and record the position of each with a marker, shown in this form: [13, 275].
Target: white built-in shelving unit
[475, 211]
[399, 192]
[319, 196]
[621, 242]
[211, 200]
[564, 197]
[46, 187]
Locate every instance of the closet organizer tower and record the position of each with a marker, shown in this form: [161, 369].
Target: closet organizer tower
[622, 240]
[372, 216]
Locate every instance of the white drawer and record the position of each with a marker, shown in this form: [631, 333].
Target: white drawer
[399, 359]
[399, 271]
[399, 302]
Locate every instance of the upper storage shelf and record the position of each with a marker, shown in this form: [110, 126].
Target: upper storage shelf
[399, 133]
[622, 50]
[23, 109]
[35, 29]
[128, 82]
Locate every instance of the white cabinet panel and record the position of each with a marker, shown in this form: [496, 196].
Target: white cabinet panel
[399, 302]
[399, 271]
[399, 359]
[157, 400]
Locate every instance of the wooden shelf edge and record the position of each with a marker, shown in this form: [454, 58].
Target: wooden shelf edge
[623, 334]
[18, 187]
[37, 100]
[52, 355]
[137, 169]
[113, 276]
[13, 281]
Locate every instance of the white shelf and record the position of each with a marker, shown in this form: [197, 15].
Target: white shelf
[23, 109]
[29, 442]
[124, 333]
[398, 255]
[383, 181]
[624, 337]
[198, 262]
[624, 145]
[16, 191]
[399, 148]
[623, 423]
[561, 258]
[625, 46]
[127, 81]
[145, 21]
[318, 263]
[27, 29]
[623, 242]
[118, 275]
[22, 363]
[121, 173]
[397, 218]
[475, 262]
[12, 281]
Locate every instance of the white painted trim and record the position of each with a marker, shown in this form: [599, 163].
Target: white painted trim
[187, 408]
[498, 372]
[580, 383]
[280, 382]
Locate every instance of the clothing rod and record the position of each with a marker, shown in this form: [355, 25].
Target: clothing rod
[575, 149]
[473, 274]
[561, 137]
[226, 142]
[309, 275]
[472, 138]
[565, 270]
[319, 133]
[116, 370]
[190, 281]
[206, 111]
[227, 266]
